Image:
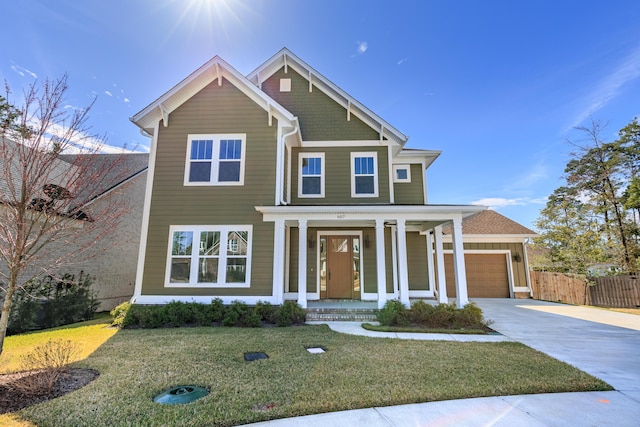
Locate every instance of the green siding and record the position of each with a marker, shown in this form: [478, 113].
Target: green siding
[321, 118]
[338, 176]
[213, 110]
[417, 262]
[410, 193]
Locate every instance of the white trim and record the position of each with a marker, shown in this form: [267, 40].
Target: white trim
[323, 167]
[491, 238]
[222, 257]
[420, 294]
[277, 61]
[198, 80]
[165, 299]
[348, 143]
[215, 158]
[364, 154]
[146, 211]
[392, 188]
[397, 167]
[278, 261]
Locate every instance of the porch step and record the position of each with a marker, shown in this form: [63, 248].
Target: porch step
[341, 315]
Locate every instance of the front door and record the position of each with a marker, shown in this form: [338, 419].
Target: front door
[339, 267]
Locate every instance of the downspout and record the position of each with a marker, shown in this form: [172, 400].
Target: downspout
[281, 166]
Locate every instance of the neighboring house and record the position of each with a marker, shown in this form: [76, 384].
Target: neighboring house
[117, 180]
[281, 186]
[113, 264]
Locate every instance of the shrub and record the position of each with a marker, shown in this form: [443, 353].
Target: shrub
[146, 316]
[266, 311]
[442, 316]
[389, 314]
[119, 314]
[217, 310]
[49, 302]
[47, 362]
[240, 314]
[290, 313]
[470, 316]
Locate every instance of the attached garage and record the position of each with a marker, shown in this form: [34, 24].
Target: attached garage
[488, 275]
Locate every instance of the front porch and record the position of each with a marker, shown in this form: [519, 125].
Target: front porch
[376, 241]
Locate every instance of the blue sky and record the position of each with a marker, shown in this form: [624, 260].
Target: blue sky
[497, 85]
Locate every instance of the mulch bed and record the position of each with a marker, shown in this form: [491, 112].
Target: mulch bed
[12, 400]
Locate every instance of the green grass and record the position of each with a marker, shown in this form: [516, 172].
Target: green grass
[355, 372]
[419, 330]
[87, 335]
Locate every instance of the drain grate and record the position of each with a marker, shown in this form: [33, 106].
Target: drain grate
[257, 355]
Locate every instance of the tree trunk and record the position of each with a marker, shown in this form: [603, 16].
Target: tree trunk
[6, 310]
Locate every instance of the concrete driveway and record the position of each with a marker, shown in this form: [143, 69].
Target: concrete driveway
[603, 343]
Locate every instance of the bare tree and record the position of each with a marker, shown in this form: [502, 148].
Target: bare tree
[49, 214]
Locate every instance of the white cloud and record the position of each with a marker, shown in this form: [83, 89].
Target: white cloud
[126, 100]
[362, 47]
[610, 86]
[402, 60]
[106, 92]
[500, 202]
[23, 71]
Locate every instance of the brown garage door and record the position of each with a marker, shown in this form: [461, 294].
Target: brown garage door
[487, 275]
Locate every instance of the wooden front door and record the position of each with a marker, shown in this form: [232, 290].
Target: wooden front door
[339, 267]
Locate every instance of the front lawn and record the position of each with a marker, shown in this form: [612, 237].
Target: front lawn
[355, 372]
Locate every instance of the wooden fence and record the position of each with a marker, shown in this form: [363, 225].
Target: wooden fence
[616, 291]
[613, 291]
[571, 289]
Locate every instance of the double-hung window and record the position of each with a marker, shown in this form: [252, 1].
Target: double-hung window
[364, 174]
[215, 159]
[208, 256]
[311, 175]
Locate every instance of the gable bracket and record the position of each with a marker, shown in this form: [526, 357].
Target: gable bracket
[348, 110]
[310, 82]
[218, 75]
[270, 114]
[381, 132]
[165, 115]
[286, 66]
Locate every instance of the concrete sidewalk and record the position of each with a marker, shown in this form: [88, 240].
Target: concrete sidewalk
[604, 408]
[602, 343]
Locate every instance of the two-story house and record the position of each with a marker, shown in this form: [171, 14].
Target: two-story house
[279, 185]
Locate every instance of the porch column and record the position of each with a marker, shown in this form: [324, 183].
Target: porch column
[278, 261]
[430, 265]
[403, 272]
[380, 264]
[302, 262]
[458, 263]
[442, 280]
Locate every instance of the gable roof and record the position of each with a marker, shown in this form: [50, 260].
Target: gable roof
[286, 59]
[490, 222]
[214, 69]
[116, 168]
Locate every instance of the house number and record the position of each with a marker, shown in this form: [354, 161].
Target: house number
[341, 216]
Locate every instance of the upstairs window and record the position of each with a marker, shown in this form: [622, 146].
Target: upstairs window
[215, 160]
[401, 173]
[364, 174]
[311, 180]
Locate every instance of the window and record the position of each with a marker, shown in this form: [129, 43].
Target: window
[311, 175]
[364, 174]
[215, 160]
[222, 257]
[401, 173]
